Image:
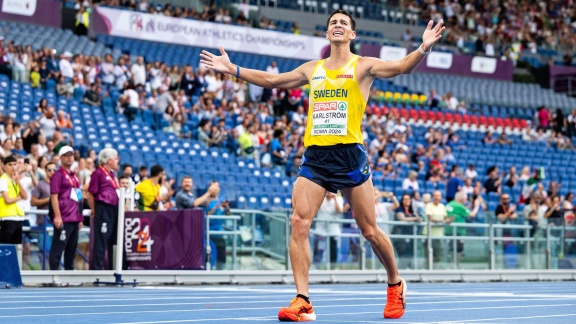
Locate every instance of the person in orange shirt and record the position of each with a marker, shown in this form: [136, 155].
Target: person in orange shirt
[63, 120]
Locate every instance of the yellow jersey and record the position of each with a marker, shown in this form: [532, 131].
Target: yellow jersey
[336, 106]
[149, 193]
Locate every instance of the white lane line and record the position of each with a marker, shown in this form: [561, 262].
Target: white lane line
[370, 292]
[250, 308]
[207, 303]
[320, 316]
[510, 318]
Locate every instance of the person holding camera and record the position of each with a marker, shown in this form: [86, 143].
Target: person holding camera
[66, 200]
[148, 191]
[217, 206]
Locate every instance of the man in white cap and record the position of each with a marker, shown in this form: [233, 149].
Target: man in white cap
[65, 66]
[66, 200]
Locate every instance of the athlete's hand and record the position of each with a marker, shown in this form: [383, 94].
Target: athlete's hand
[432, 35]
[219, 63]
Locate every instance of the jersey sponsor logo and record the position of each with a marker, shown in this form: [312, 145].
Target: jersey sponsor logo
[334, 93]
[319, 77]
[345, 76]
[330, 106]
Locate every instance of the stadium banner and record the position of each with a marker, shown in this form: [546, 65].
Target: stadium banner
[453, 64]
[161, 240]
[391, 53]
[158, 28]
[39, 12]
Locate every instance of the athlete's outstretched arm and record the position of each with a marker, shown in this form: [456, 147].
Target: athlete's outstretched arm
[292, 79]
[383, 69]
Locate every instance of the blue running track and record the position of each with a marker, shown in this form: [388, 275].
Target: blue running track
[518, 302]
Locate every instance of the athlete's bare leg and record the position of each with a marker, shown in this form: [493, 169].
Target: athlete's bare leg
[361, 200]
[307, 197]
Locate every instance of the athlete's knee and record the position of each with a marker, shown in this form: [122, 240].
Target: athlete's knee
[370, 233]
[300, 222]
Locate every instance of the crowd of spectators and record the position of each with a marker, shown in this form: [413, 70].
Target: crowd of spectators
[501, 28]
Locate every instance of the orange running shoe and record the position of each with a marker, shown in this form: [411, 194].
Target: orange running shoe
[396, 301]
[298, 311]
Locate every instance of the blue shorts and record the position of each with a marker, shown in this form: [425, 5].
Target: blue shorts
[336, 167]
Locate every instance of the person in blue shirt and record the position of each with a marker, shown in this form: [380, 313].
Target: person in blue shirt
[217, 206]
[454, 184]
[279, 156]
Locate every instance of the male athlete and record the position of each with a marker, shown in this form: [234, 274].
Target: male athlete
[335, 158]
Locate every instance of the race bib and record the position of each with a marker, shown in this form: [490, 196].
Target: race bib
[330, 118]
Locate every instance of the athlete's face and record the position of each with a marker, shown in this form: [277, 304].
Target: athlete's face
[340, 29]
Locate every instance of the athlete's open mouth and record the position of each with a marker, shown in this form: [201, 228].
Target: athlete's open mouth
[337, 33]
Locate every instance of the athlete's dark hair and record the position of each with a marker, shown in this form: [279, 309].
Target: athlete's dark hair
[344, 12]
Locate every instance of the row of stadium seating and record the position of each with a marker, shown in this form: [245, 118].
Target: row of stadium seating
[95, 128]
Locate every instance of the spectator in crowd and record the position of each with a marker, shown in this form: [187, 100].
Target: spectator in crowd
[405, 213]
[48, 123]
[102, 195]
[138, 71]
[435, 172]
[455, 184]
[217, 206]
[524, 174]
[127, 170]
[40, 198]
[568, 208]
[41, 193]
[141, 175]
[66, 67]
[410, 183]
[539, 207]
[503, 140]
[107, 71]
[437, 215]
[506, 212]
[18, 148]
[385, 210]
[494, 180]
[63, 120]
[185, 198]
[471, 172]
[458, 213]
[124, 182]
[66, 200]
[11, 192]
[92, 96]
[31, 136]
[5, 65]
[554, 214]
[279, 155]
[511, 177]
[331, 209]
[148, 190]
[28, 181]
